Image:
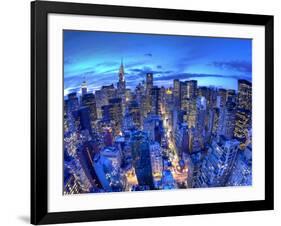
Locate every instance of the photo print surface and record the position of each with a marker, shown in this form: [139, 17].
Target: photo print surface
[149, 112]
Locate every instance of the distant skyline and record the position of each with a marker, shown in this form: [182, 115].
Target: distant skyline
[96, 56]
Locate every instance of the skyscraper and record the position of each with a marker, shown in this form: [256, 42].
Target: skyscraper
[191, 86]
[243, 122]
[89, 100]
[155, 100]
[141, 159]
[176, 92]
[84, 87]
[121, 85]
[244, 95]
[149, 82]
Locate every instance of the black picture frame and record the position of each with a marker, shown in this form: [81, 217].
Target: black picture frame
[39, 112]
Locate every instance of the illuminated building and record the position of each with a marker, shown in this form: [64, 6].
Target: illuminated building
[181, 139]
[243, 121]
[89, 100]
[113, 111]
[153, 126]
[195, 140]
[84, 88]
[221, 98]
[121, 85]
[155, 100]
[176, 92]
[135, 113]
[217, 165]
[102, 97]
[191, 112]
[227, 121]
[107, 166]
[244, 95]
[183, 94]
[241, 174]
[231, 96]
[147, 100]
[156, 160]
[86, 162]
[242, 124]
[149, 83]
[141, 159]
[191, 86]
[72, 102]
[83, 119]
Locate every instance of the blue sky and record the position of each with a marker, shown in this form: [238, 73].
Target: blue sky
[96, 56]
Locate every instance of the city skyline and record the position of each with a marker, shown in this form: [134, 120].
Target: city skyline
[211, 61]
[164, 131]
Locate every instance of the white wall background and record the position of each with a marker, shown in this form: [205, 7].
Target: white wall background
[15, 113]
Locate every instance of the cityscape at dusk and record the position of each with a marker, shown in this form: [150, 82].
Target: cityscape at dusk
[154, 112]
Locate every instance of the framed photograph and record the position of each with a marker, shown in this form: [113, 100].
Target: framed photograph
[145, 112]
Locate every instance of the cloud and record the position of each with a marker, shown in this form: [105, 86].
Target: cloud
[107, 64]
[237, 65]
[148, 54]
[182, 76]
[142, 71]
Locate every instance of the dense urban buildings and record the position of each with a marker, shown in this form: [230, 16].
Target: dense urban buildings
[151, 137]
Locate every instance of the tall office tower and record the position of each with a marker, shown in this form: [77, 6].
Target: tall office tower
[218, 163]
[156, 160]
[227, 118]
[203, 91]
[177, 118]
[221, 98]
[243, 123]
[148, 83]
[195, 141]
[89, 100]
[86, 162]
[135, 113]
[231, 96]
[183, 94]
[139, 91]
[108, 92]
[155, 100]
[141, 159]
[147, 100]
[213, 97]
[153, 126]
[72, 102]
[121, 85]
[116, 113]
[191, 86]
[107, 167]
[201, 117]
[244, 95]
[216, 120]
[102, 97]
[83, 119]
[241, 174]
[181, 139]
[84, 87]
[176, 93]
[192, 113]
